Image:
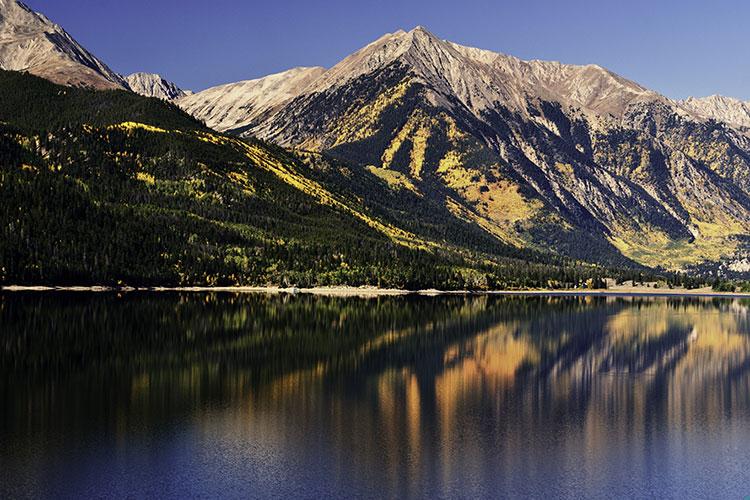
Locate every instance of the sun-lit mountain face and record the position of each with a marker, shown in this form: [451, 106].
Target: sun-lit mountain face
[720, 108]
[538, 154]
[244, 104]
[153, 85]
[31, 42]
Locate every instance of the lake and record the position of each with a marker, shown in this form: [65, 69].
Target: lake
[251, 395]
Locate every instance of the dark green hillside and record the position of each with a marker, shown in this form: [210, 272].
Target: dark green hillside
[113, 188]
[34, 103]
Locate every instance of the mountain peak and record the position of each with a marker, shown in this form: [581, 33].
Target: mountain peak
[29, 41]
[154, 85]
[421, 30]
[423, 35]
[452, 75]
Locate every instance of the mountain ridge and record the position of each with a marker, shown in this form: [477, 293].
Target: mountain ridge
[721, 108]
[154, 85]
[544, 72]
[237, 105]
[29, 41]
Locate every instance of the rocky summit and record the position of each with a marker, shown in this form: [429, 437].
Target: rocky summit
[153, 85]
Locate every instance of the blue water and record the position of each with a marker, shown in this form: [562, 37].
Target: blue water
[237, 396]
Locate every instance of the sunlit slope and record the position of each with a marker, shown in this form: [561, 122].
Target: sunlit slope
[115, 187]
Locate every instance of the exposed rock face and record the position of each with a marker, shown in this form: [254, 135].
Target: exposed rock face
[31, 42]
[153, 85]
[720, 108]
[539, 154]
[244, 104]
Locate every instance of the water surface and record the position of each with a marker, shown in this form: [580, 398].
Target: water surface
[244, 395]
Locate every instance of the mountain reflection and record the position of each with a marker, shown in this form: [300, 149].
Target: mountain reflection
[404, 395]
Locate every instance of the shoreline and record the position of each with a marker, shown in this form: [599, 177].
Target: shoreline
[347, 291]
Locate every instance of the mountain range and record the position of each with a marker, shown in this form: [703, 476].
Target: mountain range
[540, 154]
[460, 151]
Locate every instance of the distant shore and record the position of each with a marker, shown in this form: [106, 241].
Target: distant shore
[365, 291]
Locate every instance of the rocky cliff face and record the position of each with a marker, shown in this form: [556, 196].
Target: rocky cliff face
[31, 42]
[539, 154]
[246, 104]
[153, 85]
[720, 108]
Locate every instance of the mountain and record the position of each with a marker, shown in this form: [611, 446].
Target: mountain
[153, 85]
[110, 187]
[575, 160]
[720, 108]
[31, 42]
[243, 104]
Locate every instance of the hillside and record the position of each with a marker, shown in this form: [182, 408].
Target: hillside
[38, 104]
[110, 187]
[243, 104]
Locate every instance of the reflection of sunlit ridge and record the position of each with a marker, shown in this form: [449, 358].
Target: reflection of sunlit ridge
[497, 353]
[404, 395]
[392, 337]
[378, 352]
[483, 363]
[487, 363]
[493, 355]
[399, 409]
[711, 377]
[645, 340]
[293, 381]
[716, 344]
[658, 337]
[723, 341]
[642, 324]
[528, 379]
[498, 371]
[691, 351]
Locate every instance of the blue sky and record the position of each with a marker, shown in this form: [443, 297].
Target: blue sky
[679, 48]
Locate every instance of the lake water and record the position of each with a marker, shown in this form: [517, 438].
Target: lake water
[244, 395]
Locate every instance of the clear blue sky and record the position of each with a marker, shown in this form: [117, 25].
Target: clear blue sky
[679, 48]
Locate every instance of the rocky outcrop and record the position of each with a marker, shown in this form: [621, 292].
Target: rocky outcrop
[153, 85]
